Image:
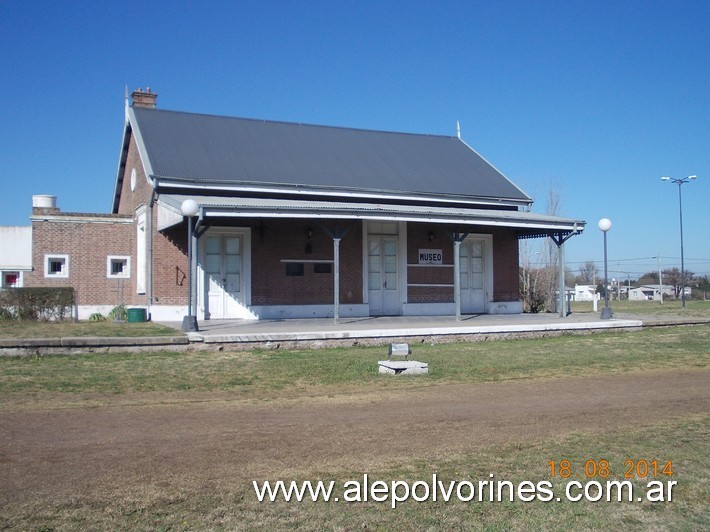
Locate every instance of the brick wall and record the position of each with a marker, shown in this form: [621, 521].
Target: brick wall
[169, 246]
[82, 236]
[170, 265]
[287, 239]
[506, 274]
[87, 240]
[132, 199]
[429, 236]
[505, 263]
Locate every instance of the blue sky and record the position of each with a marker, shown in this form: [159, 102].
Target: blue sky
[594, 100]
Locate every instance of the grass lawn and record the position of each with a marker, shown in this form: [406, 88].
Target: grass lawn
[279, 377]
[259, 374]
[693, 308]
[34, 329]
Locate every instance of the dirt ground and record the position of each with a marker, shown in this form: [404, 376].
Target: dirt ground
[60, 454]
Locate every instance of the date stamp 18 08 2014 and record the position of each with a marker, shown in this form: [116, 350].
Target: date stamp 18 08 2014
[592, 468]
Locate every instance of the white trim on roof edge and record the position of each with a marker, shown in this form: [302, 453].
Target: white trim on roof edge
[529, 203]
[310, 190]
[270, 208]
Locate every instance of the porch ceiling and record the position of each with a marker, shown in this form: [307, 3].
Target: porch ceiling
[529, 225]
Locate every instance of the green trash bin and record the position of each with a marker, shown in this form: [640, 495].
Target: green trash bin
[136, 315]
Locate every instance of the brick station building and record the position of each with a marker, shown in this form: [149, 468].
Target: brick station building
[291, 220]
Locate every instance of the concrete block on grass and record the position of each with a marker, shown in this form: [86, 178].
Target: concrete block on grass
[403, 367]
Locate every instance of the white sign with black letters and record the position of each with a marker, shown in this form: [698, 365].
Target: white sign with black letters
[430, 256]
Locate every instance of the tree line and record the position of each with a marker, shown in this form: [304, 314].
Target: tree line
[539, 283]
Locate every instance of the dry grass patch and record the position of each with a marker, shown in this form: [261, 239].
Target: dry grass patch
[66, 329]
[189, 503]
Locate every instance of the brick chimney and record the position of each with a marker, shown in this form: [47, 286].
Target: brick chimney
[143, 98]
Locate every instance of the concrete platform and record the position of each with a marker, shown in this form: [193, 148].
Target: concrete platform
[313, 333]
[387, 329]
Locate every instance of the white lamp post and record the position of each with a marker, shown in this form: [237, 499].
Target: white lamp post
[189, 209]
[604, 226]
[680, 182]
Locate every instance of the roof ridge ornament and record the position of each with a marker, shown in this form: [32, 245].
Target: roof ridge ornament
[458, 129]
[126, 104]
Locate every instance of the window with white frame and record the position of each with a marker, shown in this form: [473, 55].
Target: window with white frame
[118, 267]
[56, 266]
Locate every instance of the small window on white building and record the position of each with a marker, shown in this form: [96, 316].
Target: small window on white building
[56, 266]
[118, 267]
[11, 279]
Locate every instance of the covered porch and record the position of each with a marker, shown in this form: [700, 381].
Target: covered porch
[393, 256]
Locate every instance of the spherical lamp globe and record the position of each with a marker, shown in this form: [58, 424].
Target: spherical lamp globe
[189, 207]
[604, 224]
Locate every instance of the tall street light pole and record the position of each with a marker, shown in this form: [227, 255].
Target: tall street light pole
[604, 226]
[189, 209]
[680, 182]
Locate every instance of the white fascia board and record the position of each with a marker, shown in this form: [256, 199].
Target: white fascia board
[245, 208]
[128, 130]
[305, 190]
[487, 221]
[121, 170]
[15, 268]
[145, 160]
[63, 218]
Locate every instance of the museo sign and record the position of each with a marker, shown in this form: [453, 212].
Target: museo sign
[430, 256]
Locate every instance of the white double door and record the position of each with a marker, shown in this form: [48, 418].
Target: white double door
[472, 275]
[222, 262]
[383, 292]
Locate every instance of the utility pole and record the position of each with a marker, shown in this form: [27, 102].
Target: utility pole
[660, 279]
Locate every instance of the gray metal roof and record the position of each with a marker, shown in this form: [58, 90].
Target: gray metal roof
[205, 149]
[528, 223]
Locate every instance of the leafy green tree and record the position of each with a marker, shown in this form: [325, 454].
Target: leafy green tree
[672, 276]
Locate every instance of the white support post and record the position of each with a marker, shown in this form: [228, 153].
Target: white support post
[563, 295]
[336, 279]
[193, 274]
[457, 279]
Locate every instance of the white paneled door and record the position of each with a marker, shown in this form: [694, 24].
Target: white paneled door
[472, 271]
[383, 290]
[223, 275]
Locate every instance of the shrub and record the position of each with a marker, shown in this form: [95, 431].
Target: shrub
[39, 304]
[7, 314]
[118, 313]
[97, 316]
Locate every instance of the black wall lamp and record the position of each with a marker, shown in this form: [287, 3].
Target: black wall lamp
[309, 246]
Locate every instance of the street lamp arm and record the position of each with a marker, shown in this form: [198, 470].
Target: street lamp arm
[680, 182]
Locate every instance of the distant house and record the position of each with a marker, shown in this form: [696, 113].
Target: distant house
[15, 255]
[293, 220]
[650, 292]
[585, 292]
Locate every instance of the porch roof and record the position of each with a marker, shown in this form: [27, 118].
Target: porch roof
[528, 225]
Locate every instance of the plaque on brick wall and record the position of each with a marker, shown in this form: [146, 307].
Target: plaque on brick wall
[430, 256]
